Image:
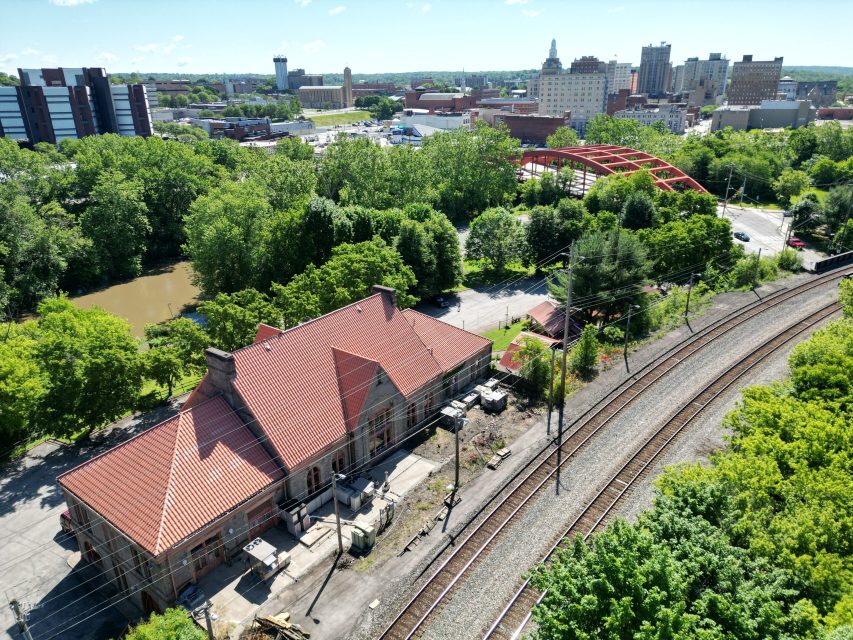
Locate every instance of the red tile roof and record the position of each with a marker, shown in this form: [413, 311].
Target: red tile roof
[266, 331]
[509, 360]
[451, 346]
[290, 382]
[549, 316]
[171, 480]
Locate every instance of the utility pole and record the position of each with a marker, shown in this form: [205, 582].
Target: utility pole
[208, 622]
[337, 511]
[742, 192]
[550, 392]
[565, 356]
[757, 266]
[21, 619]
[627, 334]
[728, 186]
[689, 289]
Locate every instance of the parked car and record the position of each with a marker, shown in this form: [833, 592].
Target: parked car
[796, 243]
[442, 302]
[742, 236]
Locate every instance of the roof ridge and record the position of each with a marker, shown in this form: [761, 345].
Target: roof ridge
[325, 315]
[147, 431]
[170, 486]
[452, 326]
[418, 336]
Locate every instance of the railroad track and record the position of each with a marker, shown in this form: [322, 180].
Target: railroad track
[529, 481]
[516, 615]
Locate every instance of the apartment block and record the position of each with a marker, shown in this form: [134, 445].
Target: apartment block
[754, 80]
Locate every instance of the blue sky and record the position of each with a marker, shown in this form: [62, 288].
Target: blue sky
[373, 36]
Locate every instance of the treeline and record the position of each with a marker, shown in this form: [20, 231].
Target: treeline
[104, 207]
[756, 545]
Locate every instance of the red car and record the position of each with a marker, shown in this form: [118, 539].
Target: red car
[796, 243]
[65, 522]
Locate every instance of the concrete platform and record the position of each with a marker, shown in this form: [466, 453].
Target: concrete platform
[236, 593]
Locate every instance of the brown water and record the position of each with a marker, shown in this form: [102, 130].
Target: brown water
[154, 297]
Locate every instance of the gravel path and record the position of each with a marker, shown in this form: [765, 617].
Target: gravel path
[490, 584]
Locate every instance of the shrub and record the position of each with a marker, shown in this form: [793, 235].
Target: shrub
[789, 260]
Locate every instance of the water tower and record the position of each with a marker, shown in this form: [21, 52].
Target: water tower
[280, 73]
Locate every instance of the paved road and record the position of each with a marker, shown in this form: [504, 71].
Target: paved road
[766, 229]
[35, 555]
[482, 308]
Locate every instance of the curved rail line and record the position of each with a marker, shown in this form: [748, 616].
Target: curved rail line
[542, 467]
[515, 616]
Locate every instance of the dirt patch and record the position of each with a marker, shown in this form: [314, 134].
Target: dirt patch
[478, 440]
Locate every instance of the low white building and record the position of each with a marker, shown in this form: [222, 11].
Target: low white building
[672, 116]
[440, 120]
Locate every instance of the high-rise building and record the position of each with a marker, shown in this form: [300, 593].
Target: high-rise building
[298, 78]
[55, 104]
[696, 73]
[561, 91]
[281, 73]
[618, 76]
[754, 80]
[655, 70]
[588, 64]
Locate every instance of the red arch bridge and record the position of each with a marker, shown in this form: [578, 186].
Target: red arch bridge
[594, 161]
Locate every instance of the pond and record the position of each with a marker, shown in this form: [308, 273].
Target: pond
[155, 296]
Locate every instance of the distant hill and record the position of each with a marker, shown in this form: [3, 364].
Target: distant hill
[828, 71]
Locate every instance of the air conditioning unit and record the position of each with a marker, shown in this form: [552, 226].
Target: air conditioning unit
[363, 537]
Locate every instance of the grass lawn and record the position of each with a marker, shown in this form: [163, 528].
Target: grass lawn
[340, 118]
[502, 337]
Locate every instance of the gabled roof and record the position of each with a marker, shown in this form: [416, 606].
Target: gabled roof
[290, 381]
[509, 360]
[549, 316]
[355, 378]
[450, 346]
[169, 481]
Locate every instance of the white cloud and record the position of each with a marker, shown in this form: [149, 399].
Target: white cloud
[137, 59]
[531, 13]
[302, 3]
[169, 48]
[29, 51]
[516, 1]
[339, 9]
[49, 59]
[7, 57]
[426, 7]
[182, 62]
[177, 38]
[106, 57]
[618, 9]
[151, 47]
[70, 3]
[314, 46]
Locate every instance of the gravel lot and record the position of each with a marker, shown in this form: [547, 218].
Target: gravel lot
[469, 611]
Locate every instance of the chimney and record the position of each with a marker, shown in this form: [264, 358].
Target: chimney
[221, 369]
[389, 293]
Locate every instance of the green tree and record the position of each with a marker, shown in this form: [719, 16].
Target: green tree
[497, 237]
[116, 222]
[562, 138]
[294, 149]
[472, 170]
[805, 212]
[824, 171]
[843, 240]
[845, 296]
[585, 352]
[232, 319]
[448, 255]
[174, 624]
[224, 236]
[789, 184]
[186, 337]
[164, 366]
[91, 364]
[535, 363]
[416, 248]
[347, 276]
[22, 387]
[837, 207]
[639, 211]
[682, 247]
[609, 272]
[611, 192]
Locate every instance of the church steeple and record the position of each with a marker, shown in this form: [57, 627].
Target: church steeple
[553, 51]
[552, 65]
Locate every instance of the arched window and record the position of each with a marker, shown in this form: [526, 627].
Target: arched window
[338, 462]
[313, 479]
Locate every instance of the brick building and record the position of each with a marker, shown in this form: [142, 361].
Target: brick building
[754, 81]
[434, 101]
[258, 440]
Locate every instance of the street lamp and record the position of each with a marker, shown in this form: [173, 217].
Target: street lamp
[335, 477]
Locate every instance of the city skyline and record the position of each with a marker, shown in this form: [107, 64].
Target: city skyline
[323, 36]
